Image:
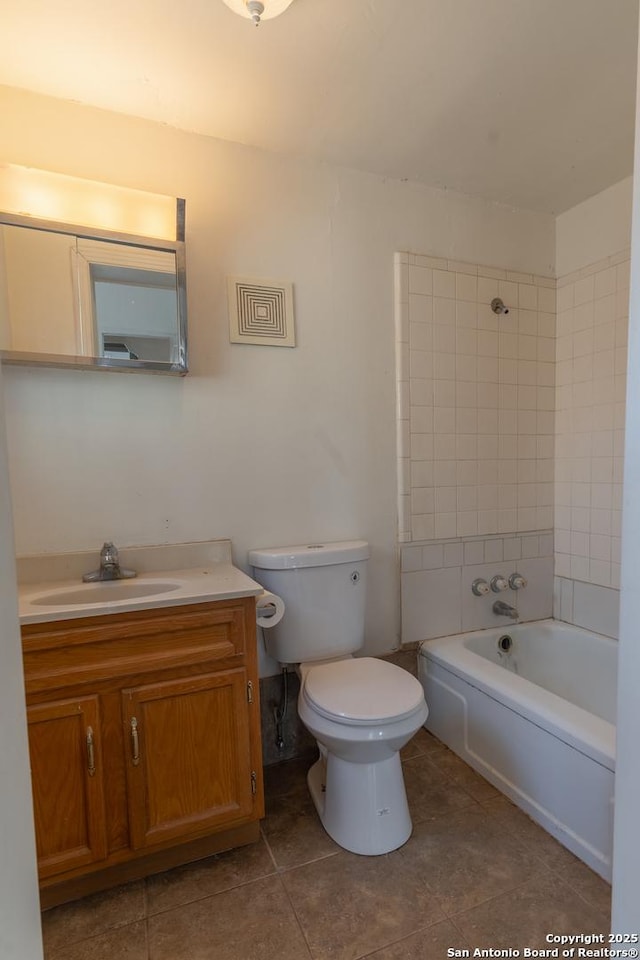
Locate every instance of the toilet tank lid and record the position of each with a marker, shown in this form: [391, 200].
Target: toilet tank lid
[309, 555]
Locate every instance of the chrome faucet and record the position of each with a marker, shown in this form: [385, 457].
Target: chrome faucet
[110, 568]
[503, 609]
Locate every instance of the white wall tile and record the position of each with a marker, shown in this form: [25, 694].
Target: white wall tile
[444, 284]
[445, 525]
[422, 526]
[493, 551]
[431, 604]
[589, 415]
[534, 602]
[420, 309]
[433, 556]
[411, 558]
[467, 287]
[454, 362]
[453, 554]
[474, 552]
[420, 280]
[596, 608]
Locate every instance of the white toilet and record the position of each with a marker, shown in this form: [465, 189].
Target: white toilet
[360, 710]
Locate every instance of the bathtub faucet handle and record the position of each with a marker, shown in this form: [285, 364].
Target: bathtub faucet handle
[480, 587]
[517, 581]
[499, 583]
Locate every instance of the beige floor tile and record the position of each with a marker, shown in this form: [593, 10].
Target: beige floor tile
[537, 841]
[349, 905]
[467, 858]
[293, 831]
[463, 775]
[429, 944]
[195, 881]
[125, 943]
[527, 914]
[430, 793]
[252, 922]
[591, 887]
[477, 871]
[72, 922]
[423, 743]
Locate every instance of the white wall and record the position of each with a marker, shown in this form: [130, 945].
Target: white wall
[20, 937]
[626, 844]
[594, 229]
[265, 446]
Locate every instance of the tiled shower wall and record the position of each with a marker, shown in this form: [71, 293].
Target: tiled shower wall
[591, 353]
[490, 452]
[475, 406]
[475, 400]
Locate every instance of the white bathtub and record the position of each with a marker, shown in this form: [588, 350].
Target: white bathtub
[537, 722]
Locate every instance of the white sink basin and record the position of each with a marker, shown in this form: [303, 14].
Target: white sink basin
[105, 591]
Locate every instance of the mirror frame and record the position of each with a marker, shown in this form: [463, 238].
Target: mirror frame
[178, 368]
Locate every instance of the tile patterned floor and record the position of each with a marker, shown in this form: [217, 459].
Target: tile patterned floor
[475, 873]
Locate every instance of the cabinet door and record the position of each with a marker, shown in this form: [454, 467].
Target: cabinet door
[67, 784]
[189, 761]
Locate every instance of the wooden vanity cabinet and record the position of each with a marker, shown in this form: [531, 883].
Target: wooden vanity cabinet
[144, 737]
[64, 745]
[190, 756]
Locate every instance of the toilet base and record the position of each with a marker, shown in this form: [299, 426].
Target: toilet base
[362, 806]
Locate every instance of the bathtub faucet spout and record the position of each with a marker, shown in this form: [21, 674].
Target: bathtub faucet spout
[503, 609]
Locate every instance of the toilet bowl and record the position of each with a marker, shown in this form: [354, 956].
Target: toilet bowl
[361, 711]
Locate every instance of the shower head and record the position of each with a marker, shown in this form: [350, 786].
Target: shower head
[497, 305]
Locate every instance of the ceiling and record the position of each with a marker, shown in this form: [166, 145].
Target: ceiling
[526, 102]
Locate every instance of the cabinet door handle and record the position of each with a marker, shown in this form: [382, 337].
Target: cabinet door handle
[135, 743]
[91, 757]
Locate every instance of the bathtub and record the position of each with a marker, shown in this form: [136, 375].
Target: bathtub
[531, 707]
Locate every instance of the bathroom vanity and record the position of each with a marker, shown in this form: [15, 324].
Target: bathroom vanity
[144, 730]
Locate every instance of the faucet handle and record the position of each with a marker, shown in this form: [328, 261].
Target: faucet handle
[517, 581]
[499, 583]
[109, 553]
[480, 587]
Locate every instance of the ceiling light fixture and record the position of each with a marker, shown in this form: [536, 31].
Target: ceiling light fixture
[258, 10]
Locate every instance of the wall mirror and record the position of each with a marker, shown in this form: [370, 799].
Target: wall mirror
[90, 298]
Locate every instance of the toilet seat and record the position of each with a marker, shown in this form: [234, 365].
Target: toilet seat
[362, 691]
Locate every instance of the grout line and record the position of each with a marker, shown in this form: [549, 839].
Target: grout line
[277, 872]
[297, 918]
[294, 866]
[268, 846]
[145, 903]
[590, 903]
[495, 896]
[306, 863]
[59, 952]
[145, 899]
[210, 896]
[81, 904]
[457, 928]
[538, 857]
[392, 943]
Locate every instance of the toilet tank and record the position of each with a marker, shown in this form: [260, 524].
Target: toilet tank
[323, 586]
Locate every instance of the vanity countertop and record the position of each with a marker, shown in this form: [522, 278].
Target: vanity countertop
[65, 599]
